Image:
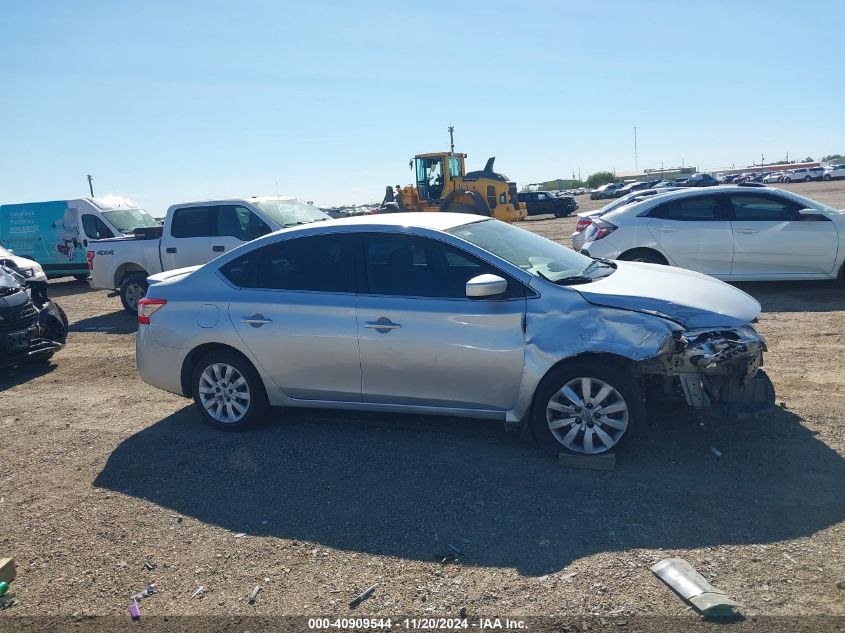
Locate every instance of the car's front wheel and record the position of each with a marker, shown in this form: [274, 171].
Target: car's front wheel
[587, 407]
[827, 177]
[562, 212]
[228, 392]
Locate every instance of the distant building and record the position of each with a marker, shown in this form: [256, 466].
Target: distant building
[663, 174]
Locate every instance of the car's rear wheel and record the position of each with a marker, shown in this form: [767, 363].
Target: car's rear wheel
[228, 392]
[807, 179]
[132, 290]
[826, 177]
[644, 255]
[587, 408]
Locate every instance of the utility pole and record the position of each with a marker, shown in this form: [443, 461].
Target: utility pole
[636, 168]
[452, 137]
[91, 184]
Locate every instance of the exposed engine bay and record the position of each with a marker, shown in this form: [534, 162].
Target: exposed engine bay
[715, 370]
[32, 327]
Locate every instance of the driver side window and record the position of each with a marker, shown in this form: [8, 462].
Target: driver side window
[95, 228]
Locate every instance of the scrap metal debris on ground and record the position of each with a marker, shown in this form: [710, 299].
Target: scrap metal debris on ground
[693, 588]
[362, 596]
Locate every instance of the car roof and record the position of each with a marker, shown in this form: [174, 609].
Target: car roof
[690, 192]
[438, 221]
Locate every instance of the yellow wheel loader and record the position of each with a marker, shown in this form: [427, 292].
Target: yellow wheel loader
[444, 185]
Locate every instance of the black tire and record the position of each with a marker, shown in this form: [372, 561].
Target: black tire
[81, 277]
[257, 405]
[787, 180]
[826, 177]
[624, 388]
[455, 203]
[133, 284]
[807, 179]
[644, 255]
[562, 212]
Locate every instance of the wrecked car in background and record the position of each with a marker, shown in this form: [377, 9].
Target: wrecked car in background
[32, 327]
[449, 314]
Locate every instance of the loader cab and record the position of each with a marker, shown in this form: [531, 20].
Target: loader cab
[437, 173]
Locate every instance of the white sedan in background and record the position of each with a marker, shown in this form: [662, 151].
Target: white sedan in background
[731, 232]
[585, 219]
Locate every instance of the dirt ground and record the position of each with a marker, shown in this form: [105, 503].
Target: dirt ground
[102, 474]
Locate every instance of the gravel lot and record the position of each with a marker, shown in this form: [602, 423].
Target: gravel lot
[102, 473]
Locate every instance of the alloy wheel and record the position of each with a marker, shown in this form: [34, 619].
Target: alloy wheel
[587, 415]
[224, 393]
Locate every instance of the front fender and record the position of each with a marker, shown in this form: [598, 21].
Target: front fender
[573, 327]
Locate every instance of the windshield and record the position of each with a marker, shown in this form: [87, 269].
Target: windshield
[291, 212]
[530, 252]
[127, 220]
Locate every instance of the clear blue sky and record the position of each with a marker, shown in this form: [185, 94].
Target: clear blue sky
[173, 101]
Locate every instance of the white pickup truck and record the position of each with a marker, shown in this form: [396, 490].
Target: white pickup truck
[193, 233]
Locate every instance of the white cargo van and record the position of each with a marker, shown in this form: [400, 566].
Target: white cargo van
[55, 234]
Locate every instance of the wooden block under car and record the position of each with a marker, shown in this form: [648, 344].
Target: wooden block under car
[606, 461]
[7, 569]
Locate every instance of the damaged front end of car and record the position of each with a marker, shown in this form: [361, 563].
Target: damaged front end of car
[32, 327]
[715, 370]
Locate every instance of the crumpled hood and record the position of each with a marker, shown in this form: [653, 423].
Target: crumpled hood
[693, 299]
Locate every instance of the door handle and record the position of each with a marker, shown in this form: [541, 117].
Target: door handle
[170, 249]
[666, 229]
[747, 231]
[218, 249]
[256, 320]
[382, 324]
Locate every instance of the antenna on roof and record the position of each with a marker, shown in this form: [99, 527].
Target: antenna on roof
[277, 189]
[90, 184]
[452, 137]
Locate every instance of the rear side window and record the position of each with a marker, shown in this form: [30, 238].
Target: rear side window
[320, 263]
[762, 208]
[699, 208]
[191, 222]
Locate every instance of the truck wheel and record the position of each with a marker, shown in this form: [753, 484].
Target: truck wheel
[132, 290]
[562, 212]
[228, 392]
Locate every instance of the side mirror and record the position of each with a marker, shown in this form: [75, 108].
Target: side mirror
[809, 214]
[486, 286]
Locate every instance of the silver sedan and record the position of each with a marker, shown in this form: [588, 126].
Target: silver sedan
[448, 314]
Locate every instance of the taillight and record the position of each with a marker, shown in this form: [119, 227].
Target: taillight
[603, 229]
[582, 224]
[89, 255]
[148, 307]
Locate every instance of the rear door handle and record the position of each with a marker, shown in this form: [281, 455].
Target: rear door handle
[170, 249]
[382, 324]
[218, 249]
[666, 229]
[746, 231]
[256, 320]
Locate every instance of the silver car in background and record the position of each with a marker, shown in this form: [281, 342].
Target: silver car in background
[448, 314]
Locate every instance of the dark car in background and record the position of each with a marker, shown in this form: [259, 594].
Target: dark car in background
[543, 202]
[700, 180]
